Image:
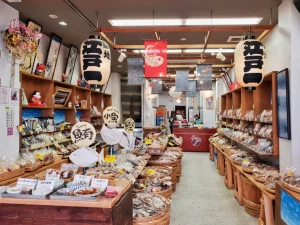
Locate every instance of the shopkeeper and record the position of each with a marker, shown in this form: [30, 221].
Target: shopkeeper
[172, 119]
[197, 120]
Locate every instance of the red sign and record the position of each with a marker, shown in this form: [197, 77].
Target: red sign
[156, 58]
[234, 85]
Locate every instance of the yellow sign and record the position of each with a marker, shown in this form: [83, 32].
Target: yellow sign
[110, 158]
[150, 172]
[246, 160]
[121, 171]
[148, 142]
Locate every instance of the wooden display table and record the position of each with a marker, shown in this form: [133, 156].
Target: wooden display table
[194, 139]
[287, 206]
[267, 210]
[106, 211]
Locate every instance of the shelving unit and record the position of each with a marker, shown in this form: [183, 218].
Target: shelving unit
[46, 87]
[263, 98]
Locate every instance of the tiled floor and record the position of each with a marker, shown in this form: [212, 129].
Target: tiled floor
[202, 198]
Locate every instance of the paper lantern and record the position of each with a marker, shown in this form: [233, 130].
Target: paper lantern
[95, 61]
[249, 58]
[174, 94]
[207, 93]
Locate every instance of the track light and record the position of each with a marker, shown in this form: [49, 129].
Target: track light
[122, 56]
[221, 56]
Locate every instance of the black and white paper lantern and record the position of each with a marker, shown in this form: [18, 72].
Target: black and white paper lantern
[250, 55]
[95, 61]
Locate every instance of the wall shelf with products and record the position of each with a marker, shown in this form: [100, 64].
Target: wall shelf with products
[254, 109]
[62, 93]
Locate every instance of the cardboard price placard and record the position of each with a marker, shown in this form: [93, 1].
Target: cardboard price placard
[83, 134]
[99, 183]
[86, 179]
[45, 184]
[28, 183]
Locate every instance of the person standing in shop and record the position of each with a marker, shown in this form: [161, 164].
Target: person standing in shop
[197, 120]
[172, 119]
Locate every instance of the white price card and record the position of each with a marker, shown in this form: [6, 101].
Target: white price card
[52, 174]
[99, 183]
[28, 183]
[86, 179]
[45, 184]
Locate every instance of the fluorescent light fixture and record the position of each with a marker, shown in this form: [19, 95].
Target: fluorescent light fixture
[156, 22]
[209, 50]
[62, 23]
[186, 22]
[170, 51]
[119, 66]
[183, 39]
[223, 21]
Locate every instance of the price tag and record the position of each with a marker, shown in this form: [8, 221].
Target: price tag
[150, 172]
[148, 142]
[121, 171]
[110, 158]
[28, 183]
[45, 184]
[246, 160]
[52, 174]
[99, 183]
[86, 179]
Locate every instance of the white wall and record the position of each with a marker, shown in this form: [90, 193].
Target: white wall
[209, 116]
[115, 79]
[148, 112]
[9, 145]
[278, 48]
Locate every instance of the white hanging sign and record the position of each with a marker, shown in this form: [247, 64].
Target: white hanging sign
[129, 125]
[83, 134]
[95, 61]
[250, 63]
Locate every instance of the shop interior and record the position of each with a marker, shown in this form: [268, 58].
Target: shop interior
[159, 112]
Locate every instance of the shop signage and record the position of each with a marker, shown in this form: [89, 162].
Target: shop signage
[155, 58]
[111, 115]
[99, 183]
[95, 61]
[86, 179]
[83, 134]
[135, 67]
[28, 183]
[204, 78]
[250, 64]
[181, 80]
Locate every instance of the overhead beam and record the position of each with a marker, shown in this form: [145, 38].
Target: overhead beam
[233, 28]
[195, 65]
[263, 35]
[191, 72]
[183, 46]
[110, 42]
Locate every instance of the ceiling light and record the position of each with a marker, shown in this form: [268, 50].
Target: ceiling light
[223, 21]
[183, 39]
[201, 82]
[119, 66]
[185, 22]
[53, 16]
[221, 56]
[157, 22]
[170, 51]
[62, 23]
[160, 82]
[122, 56]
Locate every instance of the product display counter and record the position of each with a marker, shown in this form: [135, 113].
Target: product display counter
[195, 139]
[108, 211]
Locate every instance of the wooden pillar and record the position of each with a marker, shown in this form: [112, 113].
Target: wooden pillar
[211, 152]
[240, 187]
[229, 173]
[262, 217]
[269, 213]
[221, 163]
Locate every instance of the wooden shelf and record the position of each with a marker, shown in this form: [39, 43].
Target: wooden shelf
[35, 107]
[247, 147]
[263, 98]
[64, 108]
[43, 132]
[33, 76]
[82, 109]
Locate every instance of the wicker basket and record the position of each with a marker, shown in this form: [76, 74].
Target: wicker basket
[34, 168]
[260, 179]
[251, 192]
[144, 175]
[237, 163]
[290, 187]
[166, 193]
[247, 169]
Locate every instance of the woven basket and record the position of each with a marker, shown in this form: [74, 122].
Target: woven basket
[269, 189]
[144, 175]
[237, 163]
[33, 168]
[161, 219]
[166, 193]
[260, 179]
[251, 192]
[247, 169]
[290, 187]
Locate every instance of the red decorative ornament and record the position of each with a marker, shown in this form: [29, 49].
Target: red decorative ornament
[234, 85]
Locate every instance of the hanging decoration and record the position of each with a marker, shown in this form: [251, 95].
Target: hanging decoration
[111, 116]
[135, 71]
[181, 81]
[250, 55]
[155, 58]
[204, 78]
[95, 61]
[83, 134]
[234, 85]
[20, 41]
[173, 93]
[191, 89]
[157, 86]
[129, 125]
